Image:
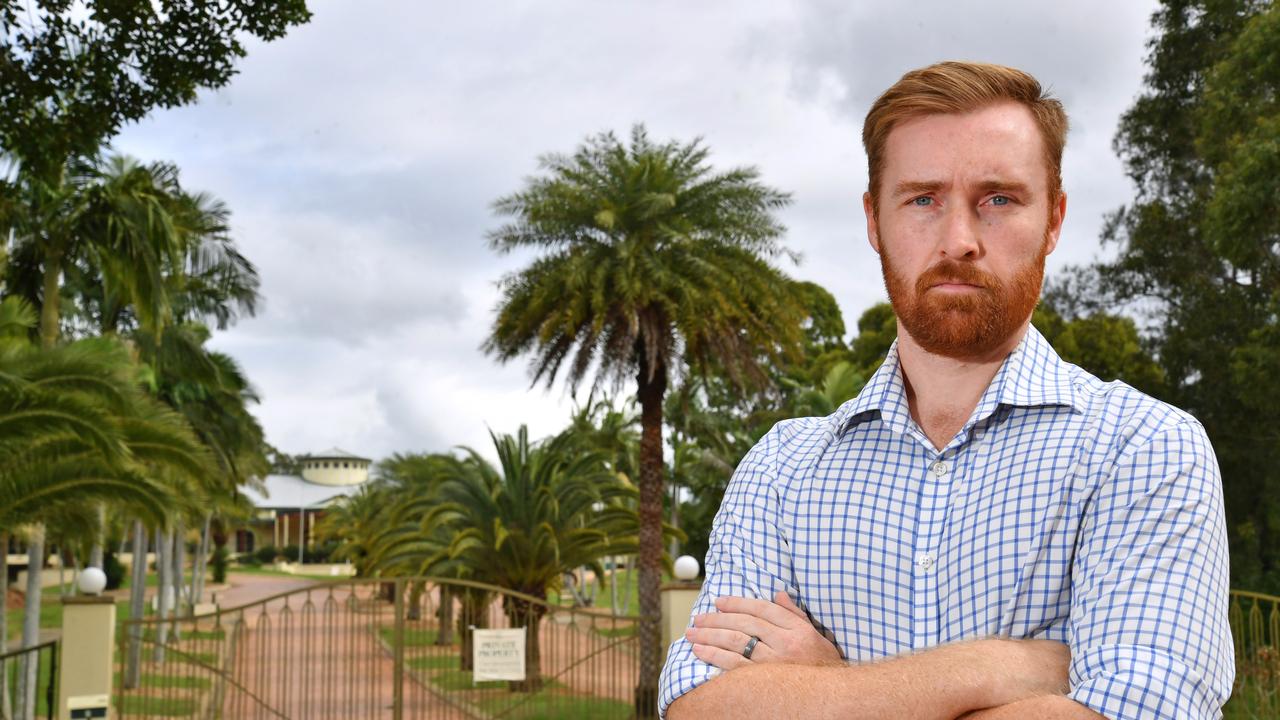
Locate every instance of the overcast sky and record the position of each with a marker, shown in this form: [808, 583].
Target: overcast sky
[361, 153]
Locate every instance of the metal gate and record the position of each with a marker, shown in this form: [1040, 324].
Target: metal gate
[390, 649]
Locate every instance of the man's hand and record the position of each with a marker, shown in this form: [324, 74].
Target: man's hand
[784, 631]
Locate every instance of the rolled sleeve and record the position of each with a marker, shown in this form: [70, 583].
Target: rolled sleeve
[747, 557]
[1150, 636]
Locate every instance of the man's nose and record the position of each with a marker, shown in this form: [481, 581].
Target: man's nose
[962, 235]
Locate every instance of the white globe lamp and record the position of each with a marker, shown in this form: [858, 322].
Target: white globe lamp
[92, 581]
[686, 568]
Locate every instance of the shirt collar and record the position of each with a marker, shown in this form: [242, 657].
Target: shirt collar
[1032, 375]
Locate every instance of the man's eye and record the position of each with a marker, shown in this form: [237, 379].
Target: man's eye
[923, 201]
[1000, 200]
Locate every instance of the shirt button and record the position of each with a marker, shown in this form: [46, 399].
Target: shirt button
[926, 559]
[939, 468]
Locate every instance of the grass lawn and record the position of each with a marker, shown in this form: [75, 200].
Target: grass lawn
[547, 705]
[443, 661]
[185, 682]
[612, 631]
[628, 587]
[42, 682]
[158, 706]
[413, 637]
[454, 679]
[50, 616]
[551, 702]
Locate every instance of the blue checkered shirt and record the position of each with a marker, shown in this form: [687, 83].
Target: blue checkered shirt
[1066, 508]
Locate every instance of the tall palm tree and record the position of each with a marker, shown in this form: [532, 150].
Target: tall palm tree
[650, 260]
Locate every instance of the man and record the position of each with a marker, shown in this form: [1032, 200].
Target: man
[985, 531]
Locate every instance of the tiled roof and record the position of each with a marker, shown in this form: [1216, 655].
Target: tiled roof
[290, 492]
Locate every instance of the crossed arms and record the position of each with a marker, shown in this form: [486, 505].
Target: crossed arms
[795, 672]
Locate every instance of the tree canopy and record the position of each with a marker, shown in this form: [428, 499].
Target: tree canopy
[1197, 250]
[72, 74]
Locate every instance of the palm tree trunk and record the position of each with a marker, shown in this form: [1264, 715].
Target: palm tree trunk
[29, 665]
[137, 604]
[164, 591]
[95, 554]
[179, 567]
[49, 316]
[177, 606]
[475, 614]
[4, 623]
[61, 554]
[652, 388]
[415, 601]
[528, 614]
[444, 636]
[613, 584]
[201, 563]
[626, 586]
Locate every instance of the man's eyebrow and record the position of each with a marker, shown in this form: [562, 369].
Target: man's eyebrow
[1010, 186]
[915, 187]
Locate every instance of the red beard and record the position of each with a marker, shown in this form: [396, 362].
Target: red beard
[963, 325]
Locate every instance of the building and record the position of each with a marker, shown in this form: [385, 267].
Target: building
[287, 514]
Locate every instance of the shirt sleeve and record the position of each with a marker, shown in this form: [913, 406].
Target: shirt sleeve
[748, 556]
[1150, 636]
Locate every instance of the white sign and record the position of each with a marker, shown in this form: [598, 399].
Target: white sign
[498, 654]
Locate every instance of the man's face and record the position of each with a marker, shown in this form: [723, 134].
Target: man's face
[964, 224]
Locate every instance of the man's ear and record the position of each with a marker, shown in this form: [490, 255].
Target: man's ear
[1056, 217]
[873, 230]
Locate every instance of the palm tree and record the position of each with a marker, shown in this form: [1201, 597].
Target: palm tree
[842, 382]
[356, 522]
[542, 511]
[650, 261]
[77, 429]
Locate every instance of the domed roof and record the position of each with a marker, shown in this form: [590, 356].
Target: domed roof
[335, 454]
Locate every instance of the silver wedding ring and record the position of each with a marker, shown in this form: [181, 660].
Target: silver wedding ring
[751, 647]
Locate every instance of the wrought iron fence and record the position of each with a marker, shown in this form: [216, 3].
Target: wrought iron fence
[29, 681]
[378, 649]
[1255, 627]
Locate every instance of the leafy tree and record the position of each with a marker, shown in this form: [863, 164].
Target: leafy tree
[1109, 346]
[650, 260]
[1196, 251]
[63, 92]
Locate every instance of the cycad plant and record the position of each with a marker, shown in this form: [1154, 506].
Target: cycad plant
[649, 261]
[543, 510]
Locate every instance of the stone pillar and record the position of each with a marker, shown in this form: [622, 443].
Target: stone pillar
[677, 609]
[84, 663]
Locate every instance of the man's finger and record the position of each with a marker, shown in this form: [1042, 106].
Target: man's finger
[782, 599]
[760, 608]
[730, 640]
[719, 657]
[746, 624]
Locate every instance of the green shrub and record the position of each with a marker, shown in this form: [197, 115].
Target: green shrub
[321, 553]
[218, 563]
[266, 554]
[113, 569]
